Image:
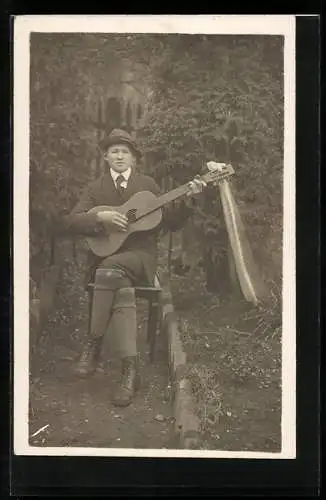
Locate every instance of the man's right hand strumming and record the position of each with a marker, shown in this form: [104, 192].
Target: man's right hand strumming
[113, 220]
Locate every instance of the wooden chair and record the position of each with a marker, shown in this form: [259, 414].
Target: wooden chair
[153, 296]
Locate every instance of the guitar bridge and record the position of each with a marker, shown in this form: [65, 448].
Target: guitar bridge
[131, 215]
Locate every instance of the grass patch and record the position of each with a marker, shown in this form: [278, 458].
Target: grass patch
[234, 365]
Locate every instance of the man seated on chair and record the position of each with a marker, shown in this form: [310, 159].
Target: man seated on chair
[114, 277]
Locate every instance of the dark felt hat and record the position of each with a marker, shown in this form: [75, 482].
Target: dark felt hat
[118, 136]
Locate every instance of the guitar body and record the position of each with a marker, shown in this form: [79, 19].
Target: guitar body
[104, 246]
[143, 213]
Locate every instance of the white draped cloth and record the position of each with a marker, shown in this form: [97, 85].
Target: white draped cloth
[251, 284]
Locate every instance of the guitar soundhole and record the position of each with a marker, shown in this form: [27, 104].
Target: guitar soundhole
[131, 215]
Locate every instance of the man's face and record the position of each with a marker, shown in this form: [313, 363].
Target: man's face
[120, 157]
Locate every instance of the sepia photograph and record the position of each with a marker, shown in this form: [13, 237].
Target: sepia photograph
[154, 236]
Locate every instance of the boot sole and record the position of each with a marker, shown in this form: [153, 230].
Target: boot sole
[120, 403]
[82, 374]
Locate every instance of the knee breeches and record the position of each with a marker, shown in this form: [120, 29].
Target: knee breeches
[114, 303]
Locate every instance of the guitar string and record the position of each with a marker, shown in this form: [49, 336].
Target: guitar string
[183, 191]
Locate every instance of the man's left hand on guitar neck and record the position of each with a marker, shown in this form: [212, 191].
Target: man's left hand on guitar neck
[196, 186]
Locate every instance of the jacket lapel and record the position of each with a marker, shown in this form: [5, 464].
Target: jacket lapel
[110, 194]
[130, 184]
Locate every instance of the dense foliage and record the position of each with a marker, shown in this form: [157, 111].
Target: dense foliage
[209, 97]
[67, 72]
[222, 98]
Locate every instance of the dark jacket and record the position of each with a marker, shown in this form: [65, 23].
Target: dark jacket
[102, 191]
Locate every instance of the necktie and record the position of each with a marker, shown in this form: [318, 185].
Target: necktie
[120, 179]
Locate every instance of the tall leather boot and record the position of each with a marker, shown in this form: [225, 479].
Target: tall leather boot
[129, 382]
[86, 364]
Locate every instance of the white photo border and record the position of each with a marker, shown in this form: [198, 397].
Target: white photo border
[211, 24]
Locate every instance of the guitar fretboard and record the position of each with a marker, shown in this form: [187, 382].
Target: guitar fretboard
[178, 192]
[163, 200]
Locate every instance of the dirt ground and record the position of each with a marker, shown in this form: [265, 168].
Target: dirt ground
[234, 367]
[78, 412]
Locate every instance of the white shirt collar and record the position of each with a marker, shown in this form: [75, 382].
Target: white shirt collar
[115, 174]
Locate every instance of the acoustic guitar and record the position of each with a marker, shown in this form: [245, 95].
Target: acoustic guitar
[144, 211]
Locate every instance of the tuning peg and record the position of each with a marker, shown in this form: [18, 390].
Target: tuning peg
[213, 165]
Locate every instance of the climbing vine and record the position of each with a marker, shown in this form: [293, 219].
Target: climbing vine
[209, 97]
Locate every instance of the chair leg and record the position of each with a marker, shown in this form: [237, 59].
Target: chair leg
[90, 307]
[162, 332]
[149, 323]
[160, 314]
[152, 327]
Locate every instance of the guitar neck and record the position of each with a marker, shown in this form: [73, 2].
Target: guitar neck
[164, 199]
[180, 191]
[173, 195]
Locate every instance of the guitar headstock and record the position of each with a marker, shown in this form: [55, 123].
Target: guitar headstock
[217, 172]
